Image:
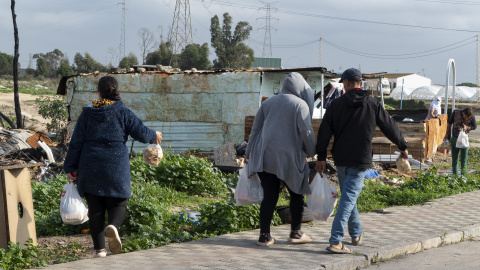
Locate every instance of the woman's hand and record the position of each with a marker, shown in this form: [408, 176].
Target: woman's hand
[159, 137]
[72, 177]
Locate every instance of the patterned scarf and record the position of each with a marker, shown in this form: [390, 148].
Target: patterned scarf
[99, 103]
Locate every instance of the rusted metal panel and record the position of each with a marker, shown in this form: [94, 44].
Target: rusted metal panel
[212, 105]
[184, 136]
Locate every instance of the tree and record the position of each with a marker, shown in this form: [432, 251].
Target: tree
[16, 98]
[6, 64]
[42, 68]
[467, 84]
[230, 50]
[52, 59]
[129, 60]
[65, 69]
[195, 56]
[147, 42]
[161, 56]
[86, 64]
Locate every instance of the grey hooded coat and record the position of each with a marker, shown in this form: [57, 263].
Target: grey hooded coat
[282, 135]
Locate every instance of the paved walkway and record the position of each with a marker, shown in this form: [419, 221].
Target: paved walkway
[396, 231]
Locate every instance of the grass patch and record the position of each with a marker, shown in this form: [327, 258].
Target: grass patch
[427, 186]
[410, 104]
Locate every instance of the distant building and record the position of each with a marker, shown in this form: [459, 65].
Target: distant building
[409, 80]
[267, 62]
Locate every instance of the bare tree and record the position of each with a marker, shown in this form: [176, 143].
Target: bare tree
[147, 42]
[18, 110]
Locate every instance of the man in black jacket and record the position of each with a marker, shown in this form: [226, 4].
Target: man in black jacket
[351, 119]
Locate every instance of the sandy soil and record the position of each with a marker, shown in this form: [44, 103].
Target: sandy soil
[29, 110]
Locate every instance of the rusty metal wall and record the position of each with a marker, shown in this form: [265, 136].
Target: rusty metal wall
[193, 111]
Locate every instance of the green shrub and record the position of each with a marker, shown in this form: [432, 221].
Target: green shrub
[21, 258]
[195, 176]
[54, 110]
[225, 217]
[148, 208]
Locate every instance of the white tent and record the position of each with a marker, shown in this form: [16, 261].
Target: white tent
[397, 92]
[427, 93]
[462, 93]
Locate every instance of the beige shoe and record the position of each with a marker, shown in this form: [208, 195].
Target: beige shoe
[114, 242]
[100, 253]
[298, 237]
[266, 243]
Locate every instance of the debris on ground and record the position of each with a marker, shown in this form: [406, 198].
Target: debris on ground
[21, 147]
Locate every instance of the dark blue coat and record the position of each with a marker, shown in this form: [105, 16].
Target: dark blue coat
[97, 150]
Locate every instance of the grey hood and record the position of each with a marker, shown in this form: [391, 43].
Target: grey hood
[295, 84]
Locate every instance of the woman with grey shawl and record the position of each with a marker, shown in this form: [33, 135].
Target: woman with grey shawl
[280, 141]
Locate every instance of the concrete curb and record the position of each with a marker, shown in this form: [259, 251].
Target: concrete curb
[395, 250]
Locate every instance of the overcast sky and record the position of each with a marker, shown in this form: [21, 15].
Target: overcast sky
[395, 36]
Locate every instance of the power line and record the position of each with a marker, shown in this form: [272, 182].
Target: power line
[304, 14]
[471, 39]
[292, 46]
[470, 3]
[393, 57]
[428, 52]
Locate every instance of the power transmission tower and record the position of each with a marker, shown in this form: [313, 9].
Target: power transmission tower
[30, 61]
[181, 32]
[122, 32]
[267, 41]
[478, 68]
[320, 53]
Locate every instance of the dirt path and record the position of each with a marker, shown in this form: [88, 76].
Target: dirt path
[29, 110]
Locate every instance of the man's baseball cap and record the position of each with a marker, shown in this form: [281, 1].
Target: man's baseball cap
[351, 74]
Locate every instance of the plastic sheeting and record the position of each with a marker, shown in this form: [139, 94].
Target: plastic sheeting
[428, 93]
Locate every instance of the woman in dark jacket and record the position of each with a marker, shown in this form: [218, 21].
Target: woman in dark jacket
[98, 155]
[460, 120]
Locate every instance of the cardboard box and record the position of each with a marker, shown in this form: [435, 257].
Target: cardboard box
[17, 221]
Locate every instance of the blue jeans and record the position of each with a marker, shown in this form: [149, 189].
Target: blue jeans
[351, 184]
[456, 152]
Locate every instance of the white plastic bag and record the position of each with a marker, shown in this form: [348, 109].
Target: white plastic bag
[153, 154]
[462, 140]
[323, 198]
[249, 189]
[72, 207]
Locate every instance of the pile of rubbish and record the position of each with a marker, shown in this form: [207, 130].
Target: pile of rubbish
[33, 149]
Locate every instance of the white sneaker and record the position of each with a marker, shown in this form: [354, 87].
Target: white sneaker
[101, 253]
[114, 242]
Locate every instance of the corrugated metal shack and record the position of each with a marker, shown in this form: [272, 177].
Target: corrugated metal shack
[194, 110]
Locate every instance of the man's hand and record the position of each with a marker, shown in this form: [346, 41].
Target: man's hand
[321, 166]
[72, 178]
[245, 159]
[404, 154]
[159, 137]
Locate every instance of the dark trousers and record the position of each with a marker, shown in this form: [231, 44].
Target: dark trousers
[97, 206]
[271, 191]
